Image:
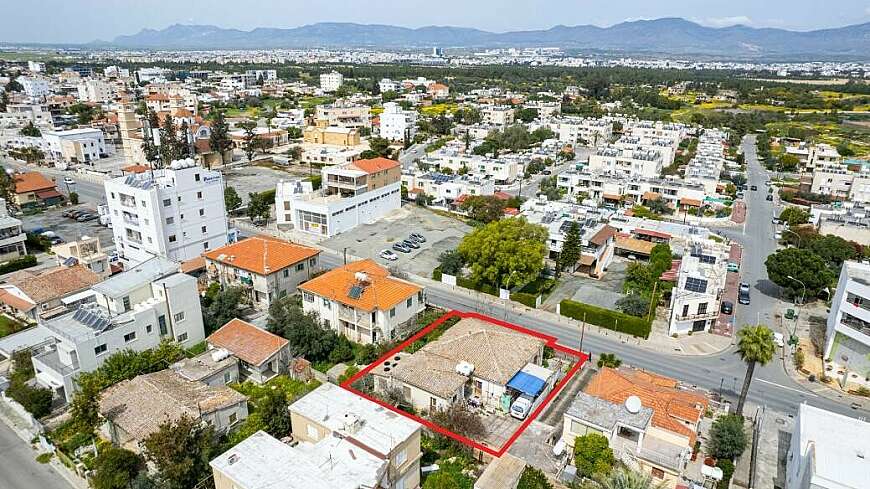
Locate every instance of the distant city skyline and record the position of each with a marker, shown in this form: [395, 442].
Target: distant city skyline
[81, 21]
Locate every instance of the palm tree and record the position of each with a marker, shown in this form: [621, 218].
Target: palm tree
[629, 479]
[754, 345]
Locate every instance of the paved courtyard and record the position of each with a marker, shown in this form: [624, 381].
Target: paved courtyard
[603, 292]
[442, 233]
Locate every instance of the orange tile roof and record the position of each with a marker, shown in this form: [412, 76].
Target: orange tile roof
[690, 202]
[15, 302]
[246, 341]
[31, 182]
[381, 291]
[262, 255]
[606, 232]
[135, 169]
[193, 265]
[651, 196]
[375, 165]
[671, 406]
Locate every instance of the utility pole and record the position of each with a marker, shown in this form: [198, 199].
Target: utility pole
[582, 332]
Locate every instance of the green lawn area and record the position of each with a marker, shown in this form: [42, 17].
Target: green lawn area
[250, 112]
[438, 109]
[9, 326]
[311, 102]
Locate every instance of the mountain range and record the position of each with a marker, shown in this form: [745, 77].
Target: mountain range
[664, 36]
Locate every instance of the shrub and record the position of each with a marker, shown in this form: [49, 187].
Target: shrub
[606, 318]
[529, 300]
[36, 400]
[43, 458]
[727, 467]
[25, 261]
[727, 437]
[799, 359]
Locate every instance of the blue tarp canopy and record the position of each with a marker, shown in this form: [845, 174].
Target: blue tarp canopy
[527, 384]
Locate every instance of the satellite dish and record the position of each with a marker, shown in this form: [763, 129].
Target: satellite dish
[633, 404]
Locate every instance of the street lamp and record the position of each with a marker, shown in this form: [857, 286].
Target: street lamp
[787, 230]
[800, 307]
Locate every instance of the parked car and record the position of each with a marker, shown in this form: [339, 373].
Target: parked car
[778, 339]
[69, 181]
[727, 307]
[389, 255]
[776, 220]
[77, 213]
[743, 293]
[56, 240]
[401, 247]
[87, 217]
[733, 267]
[410, 243]
[68, 212]
[769, 198]
[754, 187]
[521, 406]
[419, 237]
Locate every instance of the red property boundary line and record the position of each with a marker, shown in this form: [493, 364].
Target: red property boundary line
[550, 341]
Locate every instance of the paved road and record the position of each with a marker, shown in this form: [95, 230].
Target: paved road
[415, 151]
[89, 191]
[19, 468]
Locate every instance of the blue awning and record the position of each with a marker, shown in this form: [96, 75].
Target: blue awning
[527, 384]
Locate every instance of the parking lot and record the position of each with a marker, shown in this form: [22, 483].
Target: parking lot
[442, 233]
[69, 229]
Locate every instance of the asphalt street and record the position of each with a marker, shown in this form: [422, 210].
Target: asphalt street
[19, 468]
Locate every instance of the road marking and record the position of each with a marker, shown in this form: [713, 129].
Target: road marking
[788, 388]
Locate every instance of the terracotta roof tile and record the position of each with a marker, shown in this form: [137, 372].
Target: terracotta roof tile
[54, 283]
[671, 405]
[262, 255]
[375, 165]
[246, 341]
[380, 291]
[15, 302]
[31, 182]
[603, 234]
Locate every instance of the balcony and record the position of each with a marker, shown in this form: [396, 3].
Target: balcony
[710, 314]
[351, 316]
[49, 361]
[131, 219]
[856, 324]
[128, 202]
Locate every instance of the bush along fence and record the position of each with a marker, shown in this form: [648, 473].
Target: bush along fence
[532, 295]
[605, 318]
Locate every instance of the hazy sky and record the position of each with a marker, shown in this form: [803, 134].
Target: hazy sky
[86, 20]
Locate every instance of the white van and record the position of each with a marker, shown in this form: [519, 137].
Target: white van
[521, 406]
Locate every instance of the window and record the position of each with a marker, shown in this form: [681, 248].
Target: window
[227, 377]
[179, 316]
[327, 324]
[126, 302]
[313, 433]
[203, 230]
[172, 238]
[702, 308]
[170, 220]
[286, 273]
[326, 303]
[300, 267]
[129, 337]
[100, 349]
[196, 176]
[685, 310]
[393, 312]
[401, 457]
[312, 262]
[657, 473]
[233, 418]
[167, 202]
[205, 245]
[161, 322]
[309, 297]
[182, 338]
[202, 212]
[199, 195]
[409, 302]
[148, 329]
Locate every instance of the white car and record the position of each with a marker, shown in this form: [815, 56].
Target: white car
[69, 181]
[389, 255]
[778, 339]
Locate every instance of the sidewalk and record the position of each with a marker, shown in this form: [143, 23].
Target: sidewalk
[19, 426]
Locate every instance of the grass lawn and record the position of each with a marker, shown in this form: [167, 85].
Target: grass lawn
[311, 102]
[9, 326]
[250, 112]
[438, 109]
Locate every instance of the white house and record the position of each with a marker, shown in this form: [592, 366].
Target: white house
[34, 87]
[135, 309]
[329, 82]
[176, 212]
[84, 146]
[696, 298]
[97, 91]
[398, 124]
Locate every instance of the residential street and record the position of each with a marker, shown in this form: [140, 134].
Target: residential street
[19, 466]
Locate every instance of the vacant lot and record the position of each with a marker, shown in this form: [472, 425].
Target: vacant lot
[366, 241]
[602, 292]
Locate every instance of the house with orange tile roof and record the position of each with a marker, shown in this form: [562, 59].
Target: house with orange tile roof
[651, 422]
[354, 193]
[267, 267]
[363, 302]
[34, 189]
[261, 354]
[439, 90]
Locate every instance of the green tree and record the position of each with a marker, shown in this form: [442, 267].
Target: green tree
[294, 153]
[459, 419]
[232, 201]
[272, 409]
[116, 468]
[307, 338]
[249, 144]
[169, 142]
[834, 250]
[788, 162]
[727, 437]
[85, 405]
[507, 252]
[444, 480]
[624, 478]
[571, 249]
[754, 345]
[223, 308]
[259, 206]
[533, 478]
[608, 360]
[593, 456]
[542, 133]
[549, 187]
[659, 206]
[451, 262]
[526, 115]
[14, 86]
[794, 216]
[633, 304]
[30, 130]
[807, 267]
[74, 198]
[378, 148]
[597, 85]
[484, 208]
[181, 451]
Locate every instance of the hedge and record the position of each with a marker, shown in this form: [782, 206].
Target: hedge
[25, 261]
[606, 318]
[526, 299]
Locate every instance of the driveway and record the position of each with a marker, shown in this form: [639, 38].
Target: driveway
[366, 241]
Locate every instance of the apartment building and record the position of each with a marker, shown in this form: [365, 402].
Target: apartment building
[12, 236]
[329, 82]
[95, 91]
[267, 268]
[502, 171]
[580, 130]
[832, 179]
[545, 110]
[447, 189]
[353, 193]
[627, 162]
[343, 113]
[76, 146]
[19, 115]
[136, 309]
[847, 340]
[827, 450]
[341, 441]
[86, 252]
[387, 85]
[606, 188]
[655, 129]
[34, 87]
[331, 135]
[176, 212]
[398, 124]
[363, 302]
[499, 115]
[667, 147]
[700, 283]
